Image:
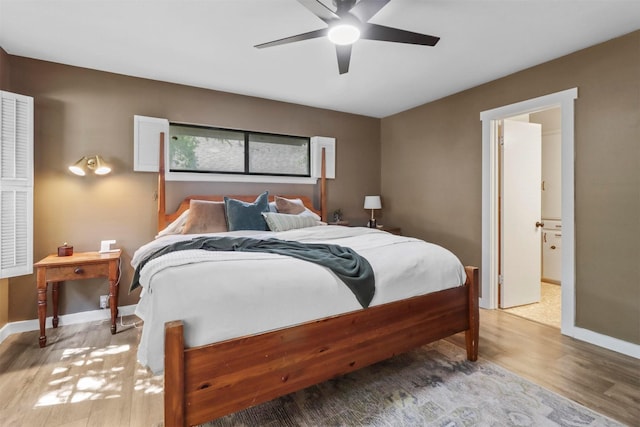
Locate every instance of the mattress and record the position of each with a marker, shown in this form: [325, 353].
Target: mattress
[223, 295]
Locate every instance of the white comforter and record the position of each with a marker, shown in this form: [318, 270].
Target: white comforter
[222, 295]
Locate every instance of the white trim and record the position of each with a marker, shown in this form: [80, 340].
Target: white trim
[212, 177]
[614, 344]
[565, 100]
[66, 319]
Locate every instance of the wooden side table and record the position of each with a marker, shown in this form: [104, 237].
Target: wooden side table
[81, 265]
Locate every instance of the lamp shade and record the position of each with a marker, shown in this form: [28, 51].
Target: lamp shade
[78, 167]
[372, 202]
[98, 166]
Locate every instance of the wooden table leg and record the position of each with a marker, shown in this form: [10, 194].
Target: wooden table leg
[42, 304]
[113, 294]
[54, 297]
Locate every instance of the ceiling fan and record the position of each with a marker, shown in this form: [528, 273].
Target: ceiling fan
[348, 24]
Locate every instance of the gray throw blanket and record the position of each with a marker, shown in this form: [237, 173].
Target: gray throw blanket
[353, 269]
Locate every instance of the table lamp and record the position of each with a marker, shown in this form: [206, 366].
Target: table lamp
[372, 202]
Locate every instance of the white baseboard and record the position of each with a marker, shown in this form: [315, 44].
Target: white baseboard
[605, 341]
[65, 319]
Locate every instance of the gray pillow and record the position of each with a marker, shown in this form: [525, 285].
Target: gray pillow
[247, 216]
[284, 222]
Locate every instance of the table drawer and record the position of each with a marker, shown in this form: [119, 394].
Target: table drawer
[77, 272]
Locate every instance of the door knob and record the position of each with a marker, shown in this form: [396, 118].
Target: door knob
[539, 224]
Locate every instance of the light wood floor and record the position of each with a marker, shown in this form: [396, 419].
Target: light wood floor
[87, 377]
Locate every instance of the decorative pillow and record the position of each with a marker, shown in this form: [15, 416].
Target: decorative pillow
[247, 216]
[284, 222]
[286, 206]
[176, 226]
[205, 217]
[294, 207]
[310, 214]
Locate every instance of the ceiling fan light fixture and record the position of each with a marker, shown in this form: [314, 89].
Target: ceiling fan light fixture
[344, 34]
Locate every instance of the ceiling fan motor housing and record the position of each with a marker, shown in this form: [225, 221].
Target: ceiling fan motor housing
[352, 18]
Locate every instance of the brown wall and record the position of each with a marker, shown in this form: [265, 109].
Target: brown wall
[4, 70]
[81, 112]
[431, 173]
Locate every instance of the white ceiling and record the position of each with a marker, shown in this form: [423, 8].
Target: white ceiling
[209, 44]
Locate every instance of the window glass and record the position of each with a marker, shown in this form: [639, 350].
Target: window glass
[196, 149]
[278, 154]
[213, 150]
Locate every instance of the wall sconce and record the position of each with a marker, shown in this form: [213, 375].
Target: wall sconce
[372, 202]
[93, 163]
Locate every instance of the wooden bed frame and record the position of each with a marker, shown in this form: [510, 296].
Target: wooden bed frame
[207, 382]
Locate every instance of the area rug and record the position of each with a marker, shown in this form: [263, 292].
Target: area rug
[431, 386]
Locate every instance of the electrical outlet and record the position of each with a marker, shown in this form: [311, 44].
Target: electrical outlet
[104, 301]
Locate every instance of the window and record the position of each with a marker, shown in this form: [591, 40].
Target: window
[206, 153]
[201, 149]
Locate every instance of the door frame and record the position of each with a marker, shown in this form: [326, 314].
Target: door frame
[490, 194]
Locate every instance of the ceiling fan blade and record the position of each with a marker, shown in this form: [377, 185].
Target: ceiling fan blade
[320, 10]
[344, 57]
[382, 33]
[366, 9]
[293, 39]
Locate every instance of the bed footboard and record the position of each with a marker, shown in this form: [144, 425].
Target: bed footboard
[207, 382]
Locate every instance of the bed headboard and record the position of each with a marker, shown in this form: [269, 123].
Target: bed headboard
[165, 218]
[184, 205]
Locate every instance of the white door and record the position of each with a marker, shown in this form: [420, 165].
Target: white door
[521, 213]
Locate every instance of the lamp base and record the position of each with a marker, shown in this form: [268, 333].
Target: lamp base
[372, 223]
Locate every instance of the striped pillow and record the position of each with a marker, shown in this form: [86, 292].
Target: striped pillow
[284, 222]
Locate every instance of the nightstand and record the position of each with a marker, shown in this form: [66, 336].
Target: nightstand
[80, 265]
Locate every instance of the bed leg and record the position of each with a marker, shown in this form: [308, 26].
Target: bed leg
[174, 398]
[473, 333]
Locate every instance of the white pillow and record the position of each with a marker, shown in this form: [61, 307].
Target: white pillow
[284, 222]
[176, 226]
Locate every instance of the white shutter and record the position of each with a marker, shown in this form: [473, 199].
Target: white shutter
[146, 142]
[16, 185]
[317, 144]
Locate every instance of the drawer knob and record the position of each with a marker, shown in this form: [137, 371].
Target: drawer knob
[553, 246]
[78, 270]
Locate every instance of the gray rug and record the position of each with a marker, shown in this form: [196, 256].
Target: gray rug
[432, 386]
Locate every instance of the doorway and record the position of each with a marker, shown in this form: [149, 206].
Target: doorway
[530, 216]
[490, 198]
